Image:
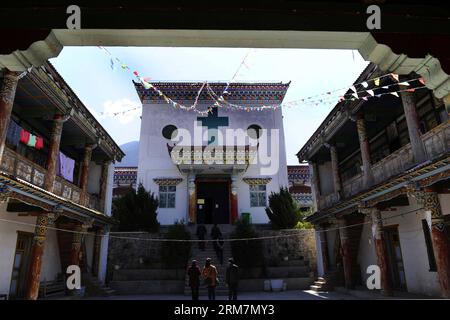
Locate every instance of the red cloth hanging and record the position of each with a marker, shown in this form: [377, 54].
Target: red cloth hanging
[24, 136]
[39, 143]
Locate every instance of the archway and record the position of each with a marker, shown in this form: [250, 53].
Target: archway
[428, 66]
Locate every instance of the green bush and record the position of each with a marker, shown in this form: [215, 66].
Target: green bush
[136, 211]
[282, 210]
[302, 224]
[176, 254]
[246, 253]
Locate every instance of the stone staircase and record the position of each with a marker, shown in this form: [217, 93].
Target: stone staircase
[327, 282]
[96, 289]
[201, 256]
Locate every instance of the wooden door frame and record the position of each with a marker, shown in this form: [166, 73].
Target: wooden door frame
[199, 180]
[391, 259]
[26, 273]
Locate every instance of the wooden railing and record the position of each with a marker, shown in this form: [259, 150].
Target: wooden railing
[328, 200]
[436, 142]
[25, 169]
[353, 185]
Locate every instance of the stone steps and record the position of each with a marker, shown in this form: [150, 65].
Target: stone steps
[209, 252]
[324, 283]
[145, 287]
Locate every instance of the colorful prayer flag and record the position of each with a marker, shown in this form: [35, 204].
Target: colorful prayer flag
[395, 94]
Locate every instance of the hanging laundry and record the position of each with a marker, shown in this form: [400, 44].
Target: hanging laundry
[31, 141]
[13, 133]
[39, 143]
[24, 136]
[66, 167]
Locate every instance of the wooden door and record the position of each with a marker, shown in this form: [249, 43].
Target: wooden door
[21, 264]
[395, 257]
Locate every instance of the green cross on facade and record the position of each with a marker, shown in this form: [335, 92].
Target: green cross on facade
[213, 121]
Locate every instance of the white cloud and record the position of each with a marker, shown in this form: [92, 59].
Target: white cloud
[114, 109]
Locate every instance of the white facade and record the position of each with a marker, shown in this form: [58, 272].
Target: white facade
[155, 161]
[51, 264]
[419, 279]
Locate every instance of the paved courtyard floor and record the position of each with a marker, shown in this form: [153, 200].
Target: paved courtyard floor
[284, 295]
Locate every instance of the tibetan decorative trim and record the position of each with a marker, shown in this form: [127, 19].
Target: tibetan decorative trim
[167, 181]
[32, 195]
[256, 181]
[256, 93]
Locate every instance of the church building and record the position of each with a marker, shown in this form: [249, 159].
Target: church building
[212, 152]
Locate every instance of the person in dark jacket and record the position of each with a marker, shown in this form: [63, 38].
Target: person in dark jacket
[201, 232]
[215, 232]
[232, 279]
[194, 279]
[218, 244]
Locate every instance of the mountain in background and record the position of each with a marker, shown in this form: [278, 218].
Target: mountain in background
[131, 158]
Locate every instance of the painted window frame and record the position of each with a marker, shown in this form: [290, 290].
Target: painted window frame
[167, 193]
[261, 191]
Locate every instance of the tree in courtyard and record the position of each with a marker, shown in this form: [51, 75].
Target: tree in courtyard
[282, 210]
[136, 211]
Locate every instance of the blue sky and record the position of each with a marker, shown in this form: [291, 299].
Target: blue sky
[87, 70]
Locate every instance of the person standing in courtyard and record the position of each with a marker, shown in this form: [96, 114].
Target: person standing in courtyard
[201, 232]
[210, 275]
[215, 232]
[194, 279]
[232, 279]
[218, 245]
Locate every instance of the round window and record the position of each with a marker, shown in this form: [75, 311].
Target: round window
[254, 131]
[169, 131]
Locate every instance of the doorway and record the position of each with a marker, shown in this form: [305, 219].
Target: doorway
[21, 264]
[213, 201]
[395, 258]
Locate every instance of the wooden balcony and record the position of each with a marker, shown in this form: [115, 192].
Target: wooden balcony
[20, 167]
[328, 200]
[436, 142]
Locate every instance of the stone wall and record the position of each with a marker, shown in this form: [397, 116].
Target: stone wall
[299, 245]
[136, 253]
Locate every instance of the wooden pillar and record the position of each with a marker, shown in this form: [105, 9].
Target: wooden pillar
[85, 174]
[80, 230]
[37, 253]
[192, 193]
[96, 251]
[335, 170]
[412, 120]
[53, 152]
[365, 150]
[346, 253]
[380, 249]
[315, 182]
[103, 184]
[7, 94]
[234, 199]
[440, 241]
[324, 248]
